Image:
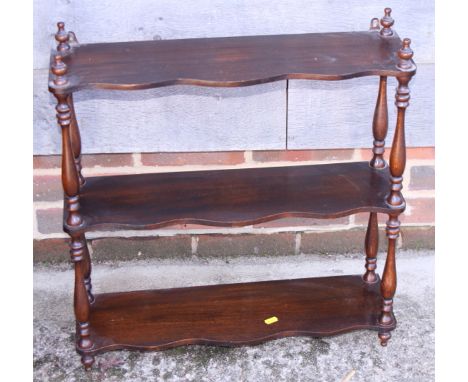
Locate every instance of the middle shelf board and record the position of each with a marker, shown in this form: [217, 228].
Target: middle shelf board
[232, 198]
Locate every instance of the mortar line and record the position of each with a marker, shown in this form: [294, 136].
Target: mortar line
[198, 232]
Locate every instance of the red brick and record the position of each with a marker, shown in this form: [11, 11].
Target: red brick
[239, 245]
[198, 158]
[345, 241]
[363, 218]
[47, 161]
[301, 222]
[47, 188]
[107, 160]
[411, 153]
[50, 220]
[420, 210]
[302, 155]
[51, 251]
[142, 248]
[420, 153]
[422, 178]
[365, 154]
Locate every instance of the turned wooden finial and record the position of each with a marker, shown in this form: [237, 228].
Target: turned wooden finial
[387, 23]
[405, 54]
[374, 24]
[62, 37]
[59, 69]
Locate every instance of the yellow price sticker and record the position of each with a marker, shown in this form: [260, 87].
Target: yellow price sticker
[271, 320]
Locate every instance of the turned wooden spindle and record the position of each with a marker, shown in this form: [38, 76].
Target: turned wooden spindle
[75, 139]
[405, 54]
[398, 152]
[372, 246]
[374, 24]
[78, 251]
[389, 279]
[380, 126]
[70, 179]
[59, 69]
[387, 23]
[87, 270]
[62, 37]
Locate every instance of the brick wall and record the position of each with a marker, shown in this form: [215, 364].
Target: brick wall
[285, 236]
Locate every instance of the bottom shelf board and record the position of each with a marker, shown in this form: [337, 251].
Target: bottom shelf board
[233, 314]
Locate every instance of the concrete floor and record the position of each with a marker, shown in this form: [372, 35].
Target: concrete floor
[408, 357]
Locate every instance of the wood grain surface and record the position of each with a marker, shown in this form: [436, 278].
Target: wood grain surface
[231, 197]
[230, 61]
[233, 314]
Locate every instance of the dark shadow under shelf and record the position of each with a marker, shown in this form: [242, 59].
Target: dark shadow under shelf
[232, 198]
[234, 314]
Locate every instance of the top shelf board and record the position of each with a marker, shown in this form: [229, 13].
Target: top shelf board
[229, 61]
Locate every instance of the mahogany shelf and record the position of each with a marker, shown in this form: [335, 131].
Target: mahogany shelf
[231, 198]
[230, 61]
[234, 314]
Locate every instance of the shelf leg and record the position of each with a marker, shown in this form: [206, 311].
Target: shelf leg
[78, 252]
[380, 126]
[87, 270]
[372, 246]
[75, 139]
[389, 280]
[70, 178]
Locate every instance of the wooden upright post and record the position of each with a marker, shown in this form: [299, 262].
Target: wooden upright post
[395, 198]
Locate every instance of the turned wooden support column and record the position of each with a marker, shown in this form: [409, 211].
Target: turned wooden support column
[395, 198]
[380, 125]
[87, 270]
[75, 138]
[398, 152]
[79, 252]
[70, 178]
[66, 40]
[372, 246]
[389, 279]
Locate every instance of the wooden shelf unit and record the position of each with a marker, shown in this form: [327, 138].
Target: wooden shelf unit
[233, 314]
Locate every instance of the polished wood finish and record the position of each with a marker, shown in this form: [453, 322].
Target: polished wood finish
[388, 285]
[81, 297]
[387, 23]
[372, 246]
[231, 198]
[398, 152]
[230, 61]
[380, 125]
[75, 139]
[62, 38]
[233, 314]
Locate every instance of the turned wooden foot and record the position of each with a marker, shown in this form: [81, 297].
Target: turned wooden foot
[384, 337]
[87, 361]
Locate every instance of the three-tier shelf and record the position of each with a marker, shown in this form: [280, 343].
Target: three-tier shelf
[233, 314]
